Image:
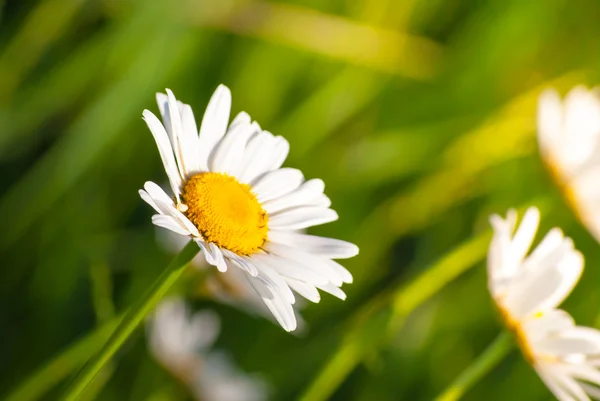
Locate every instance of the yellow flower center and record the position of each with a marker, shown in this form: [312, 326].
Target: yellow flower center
[226, 212]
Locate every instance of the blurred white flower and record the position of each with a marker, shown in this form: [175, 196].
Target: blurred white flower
[527, 288]
[569, 139]
[176, 336]
[232, 197]
[221, 380]
[182, 342]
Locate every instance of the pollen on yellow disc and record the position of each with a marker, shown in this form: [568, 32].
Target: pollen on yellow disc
[226, 212]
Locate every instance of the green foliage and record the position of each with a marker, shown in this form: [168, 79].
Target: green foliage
[418, 115]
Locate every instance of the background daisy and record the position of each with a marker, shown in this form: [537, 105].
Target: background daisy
[527, 288]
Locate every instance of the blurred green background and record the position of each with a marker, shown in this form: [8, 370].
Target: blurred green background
[418, 115]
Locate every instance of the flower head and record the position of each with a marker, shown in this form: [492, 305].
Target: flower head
[569, 139]
[233, 198]
[527, 288]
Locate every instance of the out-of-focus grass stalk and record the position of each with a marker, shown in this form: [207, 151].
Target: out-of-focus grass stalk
[130, 322]
[43, 26]
[86, 139]
[328, 35]
[55, 91]
[489, 359]
[101, 291]
[363, 339]
[61, 366]
[329, 107]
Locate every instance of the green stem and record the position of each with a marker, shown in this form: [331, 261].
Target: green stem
[480, 367]
[358, 341]
[130, 322]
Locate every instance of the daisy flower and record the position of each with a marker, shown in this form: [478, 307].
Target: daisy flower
[569, 140]
[527, 288]
[232, 197]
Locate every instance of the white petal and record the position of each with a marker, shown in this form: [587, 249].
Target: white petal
[243, 263]
[255, 156]
[281, 148]
[281, 310]
[157, 193]
[326, 247]
[308, 291]
[591, 390]
[322, 266]
[214, 124]
[546, 288]
[213, 255]
[165, 150]
[310, 193]
[289, 267]
[333, 290]
[525, 234]
[227, 156]
[562, 386]
[549, 119]
[550, 322]
[148, 199]
[189, 140]
[264, 153]
[218, 257]
[277, 183]
[169, 223]
[577, 340]
[301, 217]
[274, 280]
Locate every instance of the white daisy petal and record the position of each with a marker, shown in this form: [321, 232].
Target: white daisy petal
[290, 268]
[281, 310]
[242, 262]
[545, 288]
[256, 156]
[549, 119]
[218, 257]
[308, 291]
[169, 223]
[189, 140]
[593, 391]
[157, 193]
[310, 193]
[302, 217]
[281, 148]
[228, 154]
[165, 150]
[148, 199]
[333, 290]
[548, 323]
[576, 340]
[549, 377]
[327, 247]
[321, 266]
[277, 183]
[275, 281]
[214, 124]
